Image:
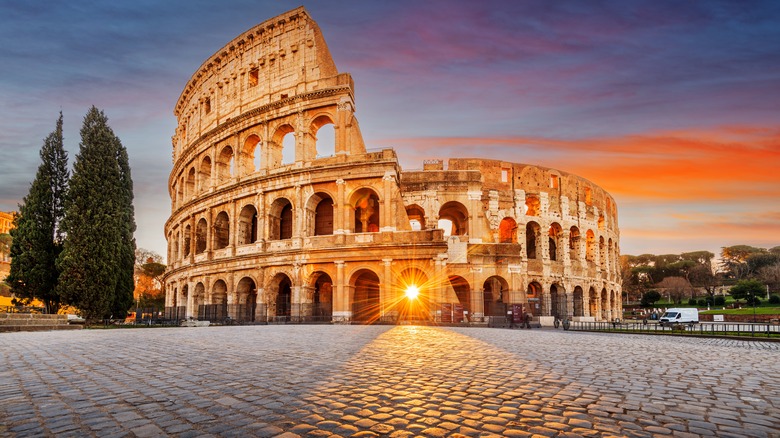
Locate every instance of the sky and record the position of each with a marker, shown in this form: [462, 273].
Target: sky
[672, 107]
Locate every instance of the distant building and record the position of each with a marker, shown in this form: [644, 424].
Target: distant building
[266, 230]
[6, 222]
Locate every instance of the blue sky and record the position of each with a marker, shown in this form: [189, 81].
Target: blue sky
[673, 107]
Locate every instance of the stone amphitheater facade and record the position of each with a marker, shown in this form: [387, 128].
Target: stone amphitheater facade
[269, 223]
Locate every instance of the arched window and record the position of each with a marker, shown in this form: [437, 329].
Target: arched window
[247, 225]
[590, 246]
[507, 231]
[225, 164]
[574, 244]
[204, 174]
[323, 217]
[201, 232]
[281, 220]
[324, 136]
[416, 216]
[187, 238]
[288, 148]
[365, 204]
[250, 155]
[191, 183]
[532, 235]
[454, 219]
[532, 205]
[555, 236]
[221, 231]
[602, 253]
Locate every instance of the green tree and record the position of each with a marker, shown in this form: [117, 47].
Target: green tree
[37, 235]
[96, 270]
[747, 290]
[650, 297]
[734, 260]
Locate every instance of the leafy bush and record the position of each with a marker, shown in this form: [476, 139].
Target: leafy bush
[753, 301]
[702, 302]
[774, 299]
[692, 302]
[720, 300]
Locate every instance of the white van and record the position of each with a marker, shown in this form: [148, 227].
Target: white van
[680, 316]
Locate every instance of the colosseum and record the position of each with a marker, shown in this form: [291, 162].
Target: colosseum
[281, 214]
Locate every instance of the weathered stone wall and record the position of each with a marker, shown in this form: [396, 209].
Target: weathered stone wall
[262, 228]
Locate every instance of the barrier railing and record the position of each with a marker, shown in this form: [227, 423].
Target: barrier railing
[710, 329]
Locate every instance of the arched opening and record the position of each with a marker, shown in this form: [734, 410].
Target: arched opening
[246, 291]
[495, 296]
[601, 222]
[221, 230]
[574, 244]
[201, 236]
[283, 300]
[225, 164]
[322, 297]
[247, 225]
[593, 302]
[604, 305]
[413, 309]
[324, 137]
[179, 192]
[590, 246]
[416, 216]
[578, 303]
[454, 219]
[198, 301]
[365, 301]
[602, 253]
[507, 231]
[532, 205]
[204, 174]
[175, 247]
[323, 216]
[182, 302]
[365, 204]
[532, 236]
[251, 155]
[187, 238]
[191, 183]
[463, 291]
[558, 302]
[216, 310]
[281, 220]
[555, 235]
[610, 259]
[288, 148]
[534, 294]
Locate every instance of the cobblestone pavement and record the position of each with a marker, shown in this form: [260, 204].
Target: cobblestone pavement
[384, 381]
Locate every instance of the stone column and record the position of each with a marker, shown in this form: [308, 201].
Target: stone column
[340, 300]
[386, 288]
[340, 208]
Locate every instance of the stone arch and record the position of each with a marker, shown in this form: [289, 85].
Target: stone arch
[365, 296]
[462, 291]
[558, 301]
[219, 293]
[416, 216]
[319, 215]
[593, 302]
[201, 236]
[251, 155]
[365, 211]
[221, 230]
[413, 309]
[225, 164]
[175, 246]
[601, 222]
[603, 253]
[532, 205]
[323, 147]
[277, 148]
[204, 174]
[198, 300]
[279, 300]
[574, 243]
[590, 246]
[184, 295]
[604, 304]
[495, 295]
[611, 260]
[190, 187]
[187, 240]
[578, 303]
[246, 295]
[321, 299]
[247, 225]
[507, 231]
[534, 296]
[555, 242]
[532, 240]
[280, 217]
[457, 215]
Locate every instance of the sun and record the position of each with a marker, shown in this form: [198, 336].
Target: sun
[412, 291]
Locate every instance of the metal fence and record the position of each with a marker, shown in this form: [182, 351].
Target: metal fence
[704, 329]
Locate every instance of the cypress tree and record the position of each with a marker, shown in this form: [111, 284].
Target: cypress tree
[37, 234]
[99, 224]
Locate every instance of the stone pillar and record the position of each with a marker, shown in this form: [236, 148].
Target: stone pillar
[386, 289]
[387, 222]
[340, 208]
[341, 311]
[477, 304]
[262, 217]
